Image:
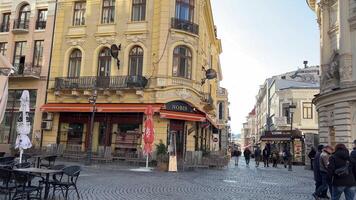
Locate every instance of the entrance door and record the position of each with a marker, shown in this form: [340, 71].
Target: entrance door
[178, 127]
[104, 68]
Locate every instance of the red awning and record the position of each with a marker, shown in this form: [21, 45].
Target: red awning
[108, 108]
[182, 116]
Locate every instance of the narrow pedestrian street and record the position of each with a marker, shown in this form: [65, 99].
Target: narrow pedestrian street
[242, 182]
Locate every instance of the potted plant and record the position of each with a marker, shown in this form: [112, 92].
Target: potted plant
[162, 156]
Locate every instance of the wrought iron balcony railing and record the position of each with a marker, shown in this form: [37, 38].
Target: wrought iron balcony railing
[27, 70]
[40, 25]
[185, 25]
[21, 24]
[106, 82]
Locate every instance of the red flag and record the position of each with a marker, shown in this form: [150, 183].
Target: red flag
[148, 136]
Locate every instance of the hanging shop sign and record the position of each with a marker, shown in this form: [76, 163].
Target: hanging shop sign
[179, 106]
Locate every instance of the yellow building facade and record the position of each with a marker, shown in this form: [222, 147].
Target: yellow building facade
[167, 49]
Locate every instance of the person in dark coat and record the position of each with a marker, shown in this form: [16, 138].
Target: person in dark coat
[341, 173]
[235, 155]
[247, 155]
[353, 157]
[311, 156]
[257, 156]
[316, 169]
[265, 154]
[287, 158]
[323, 168]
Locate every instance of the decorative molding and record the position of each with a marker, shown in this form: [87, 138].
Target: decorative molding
[75, 42]
[183, 93]
[346, 68]
[136, 38]
[105, 40]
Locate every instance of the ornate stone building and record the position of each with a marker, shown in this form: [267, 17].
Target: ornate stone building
[336, 103]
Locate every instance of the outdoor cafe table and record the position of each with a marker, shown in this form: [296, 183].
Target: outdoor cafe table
[41, 171]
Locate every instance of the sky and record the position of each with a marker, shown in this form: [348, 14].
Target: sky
[261, 38]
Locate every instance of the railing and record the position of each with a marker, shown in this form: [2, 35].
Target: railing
[222, 91]
[21, 24]
[185, 25]
[40, 25]
[208, 99]
[27, 70]
[109, 82]
[175, 81]
[4, 27]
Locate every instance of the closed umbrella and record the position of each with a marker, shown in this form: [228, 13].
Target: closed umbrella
[23, 125]
[148, 136]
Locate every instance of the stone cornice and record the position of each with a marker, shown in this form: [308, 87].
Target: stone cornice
[335, 96]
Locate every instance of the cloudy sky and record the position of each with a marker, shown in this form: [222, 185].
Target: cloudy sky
[260, 39]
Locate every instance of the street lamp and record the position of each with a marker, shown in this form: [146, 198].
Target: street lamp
[92, 101]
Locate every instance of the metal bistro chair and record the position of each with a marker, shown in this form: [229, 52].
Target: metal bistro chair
[70, 176]
[23, 165]
[6, 184]
[7, 160]
[50, 159]
[23, 187]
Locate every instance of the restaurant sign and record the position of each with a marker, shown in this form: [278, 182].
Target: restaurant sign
[179, 106]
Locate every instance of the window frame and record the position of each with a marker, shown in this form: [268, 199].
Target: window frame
[77, 60]
[106, 58]
[135, 55]
[22, 53]
[141, 5]
[26, 14]
[3, 48]
[81, 13]
[187, 5]
[307, 111]
[110, 9]
[5, 28]
[38, 56]
[41, 23]
[177, 57]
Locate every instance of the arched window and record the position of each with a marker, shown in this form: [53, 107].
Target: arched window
[136, 61]
[182, 62]
[185, 10]
[24, 17]
[104, 63]
[75, 61]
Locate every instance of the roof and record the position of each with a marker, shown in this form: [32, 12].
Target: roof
[288, 84]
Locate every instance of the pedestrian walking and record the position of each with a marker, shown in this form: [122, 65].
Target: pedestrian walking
[275, 158]
[353, 158]
[247, 155]
[341, 172]
[265, 154]
[257, 156]
[287, 158]
[311, 156]
[235, 156]
[325, 179]
[317, 175]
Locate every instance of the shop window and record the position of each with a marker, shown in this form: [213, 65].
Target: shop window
[75, 133]
[79, 14]
[75, 61]
[108, 12]
[12, 115]
[307, 110]
[185, 10]
[138, 10]
[136, 61]
[182, 62]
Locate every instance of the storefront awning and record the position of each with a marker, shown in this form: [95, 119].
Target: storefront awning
[182, 116]
[105, 108]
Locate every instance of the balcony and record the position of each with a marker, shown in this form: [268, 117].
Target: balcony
[21, 26]
[109, 82]
[185, 25]
[41, 25]
[221, 92]
[208, 100]
[27, 71]
[4, 28]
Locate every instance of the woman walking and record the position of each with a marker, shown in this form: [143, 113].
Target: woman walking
[342, 174]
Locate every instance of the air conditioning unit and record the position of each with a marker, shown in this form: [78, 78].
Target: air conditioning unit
[47, 116]
[46, 125]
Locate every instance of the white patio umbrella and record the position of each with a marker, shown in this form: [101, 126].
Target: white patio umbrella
[23, 127]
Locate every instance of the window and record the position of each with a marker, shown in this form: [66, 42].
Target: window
[24, 17]
[5, 22]
[138, 10]
[108, 13]
[221, 111]
[41, 19]
[19, 57]
[182, 62]
[185, 10]
[79, 14]
[75, 61]
[3, 48]
[136, 61]
[8, 125]
[307, 110]
[38, 54]
[104, 62]
[285, 112]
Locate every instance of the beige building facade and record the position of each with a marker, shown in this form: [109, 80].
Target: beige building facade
[336, 103]
[25, 40]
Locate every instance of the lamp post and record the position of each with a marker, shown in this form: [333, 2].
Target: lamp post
[92, 101]
[292, 107]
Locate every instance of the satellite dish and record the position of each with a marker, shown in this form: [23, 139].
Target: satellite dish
[210, 74]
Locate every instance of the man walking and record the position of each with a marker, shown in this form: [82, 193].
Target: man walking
[287, 158]
[257, 156]
[265, 154]
[311, 156]
[316, 169]
[247, 155]
[323, 163]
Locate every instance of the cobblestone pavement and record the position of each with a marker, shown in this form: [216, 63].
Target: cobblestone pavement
[242, 183]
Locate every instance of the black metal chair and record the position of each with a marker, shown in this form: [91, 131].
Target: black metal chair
[70, 176]
[6, 184]
[23, 165]
[51, 161]
[24, 187]
[10, 160]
